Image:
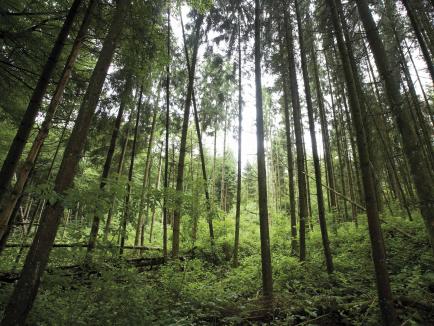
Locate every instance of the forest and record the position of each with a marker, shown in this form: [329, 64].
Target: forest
[215, 162]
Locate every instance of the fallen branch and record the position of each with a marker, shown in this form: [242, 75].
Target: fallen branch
[82, 245]
[339, 194]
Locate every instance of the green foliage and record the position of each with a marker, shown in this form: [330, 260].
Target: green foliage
[200, 290]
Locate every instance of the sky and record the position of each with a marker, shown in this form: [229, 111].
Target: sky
[249, 109]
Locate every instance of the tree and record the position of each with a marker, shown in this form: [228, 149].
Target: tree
[316, 163]
[126, 93]
[127, 210]
[267, 278]
[182, 151]
[26, 289]
[377, 244]
[27, 121]
[166, 139]
[298, 129]
[10, 200]
[240, 132]
[421, 177]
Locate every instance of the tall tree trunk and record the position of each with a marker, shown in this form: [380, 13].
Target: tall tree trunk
[109, 158]
[140, 222]
[337, 128]
[166, 139]
[385, 139]
[370, 135]
[204, 175]
[26, 289]
[316, 163]
[201, 152]
[324, 130]
[377, 244]
[181, 161]
[290, 161]
[214, 168]
[157, 187]
[423, 124]
[127, 213]
[239, 167]
[298, 129]
[19, 142]
[430, 111]
[426, 55]
[421, 176]
[119, 172]
[222, 180]
[267, 277]
[10, 199]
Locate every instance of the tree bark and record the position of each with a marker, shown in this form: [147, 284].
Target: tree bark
[109, 158]
[19, 142]
[118, 174]
[422, 178]
[157, 187]
[166, 140]
[140, 222]
[324, 130]
[267, 277]
[377, 244]
[10, 199]
[426, 55]
[201, 152]
[298, 129]
[126, 215]
[26, 289]
[239, 167]
[182, 151]
[316, 163]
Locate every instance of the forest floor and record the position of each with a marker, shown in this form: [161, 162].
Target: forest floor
[202, 289]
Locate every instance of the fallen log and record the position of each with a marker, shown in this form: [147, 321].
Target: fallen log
[81, 269]
[82, 245]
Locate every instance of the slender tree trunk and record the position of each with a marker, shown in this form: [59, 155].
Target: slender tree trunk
[337, 129]
[430, 112]
[417, 109]
[214, 168]
[324, 129]
[157, 187]
[421, 176]
[370, 135]
[166, 139]
[298, 129]
[19, 142]
[26, 289]
[181, 161]
[377, 244]
[385, 140]
[119, 172]
[426, 55]
[267, 277]
[204, 175]
[309, 202]
[201, 152]
[11, 198]
[316, 163]
[148, 161]
[108, 161]
[127, 213]
[290, 160]
[239, 167]
[222, 180]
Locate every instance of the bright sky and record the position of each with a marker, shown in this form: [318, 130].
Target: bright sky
[249, 109]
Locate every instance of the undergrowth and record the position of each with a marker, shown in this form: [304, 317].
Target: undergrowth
[204, 289]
